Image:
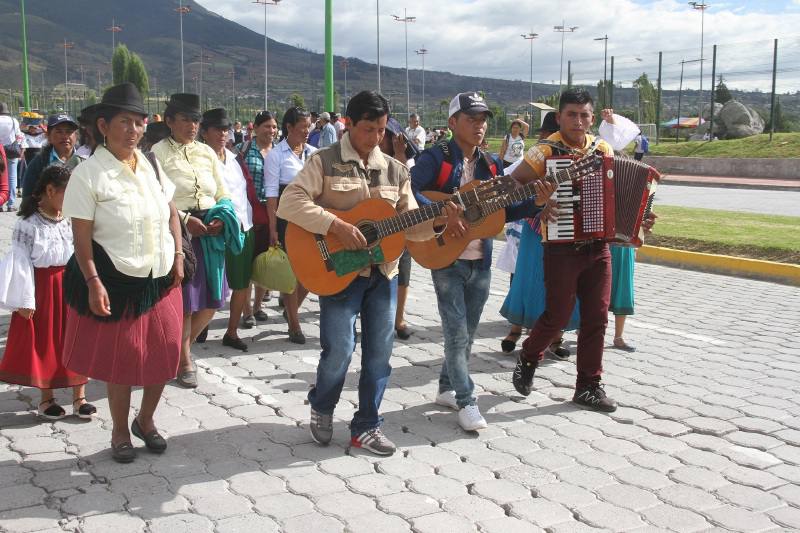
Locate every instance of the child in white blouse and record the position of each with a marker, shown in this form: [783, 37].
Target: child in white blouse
[31, 276]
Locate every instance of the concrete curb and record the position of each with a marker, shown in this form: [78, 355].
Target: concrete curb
[722, 264]
[686, 182]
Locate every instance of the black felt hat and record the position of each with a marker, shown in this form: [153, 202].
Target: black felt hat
[186, 103]
[124, 96]
[216, 118]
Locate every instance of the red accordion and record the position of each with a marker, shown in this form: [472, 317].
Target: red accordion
[607, 203]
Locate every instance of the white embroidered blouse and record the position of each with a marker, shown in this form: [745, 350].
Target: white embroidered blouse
[35, 243]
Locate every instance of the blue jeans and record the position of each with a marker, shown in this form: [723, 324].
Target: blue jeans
[461, 292]
[375, 299]
[13, 164]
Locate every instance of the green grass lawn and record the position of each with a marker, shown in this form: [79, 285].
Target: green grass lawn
[782, 145]
[770, 237]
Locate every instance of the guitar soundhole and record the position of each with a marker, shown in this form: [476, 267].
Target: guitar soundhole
[473, 213]
[369, 231]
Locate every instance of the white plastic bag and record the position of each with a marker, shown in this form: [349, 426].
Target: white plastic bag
[620, 134]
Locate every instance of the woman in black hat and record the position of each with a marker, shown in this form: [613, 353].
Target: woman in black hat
[122, 285]
[195, 171]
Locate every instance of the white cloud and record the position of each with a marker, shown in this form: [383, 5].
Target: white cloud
[479, 37]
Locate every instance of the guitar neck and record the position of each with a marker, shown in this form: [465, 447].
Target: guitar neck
[525, 192]
[403, 221]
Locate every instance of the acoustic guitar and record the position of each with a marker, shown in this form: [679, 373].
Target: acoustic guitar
[324, 267]
[487, 217]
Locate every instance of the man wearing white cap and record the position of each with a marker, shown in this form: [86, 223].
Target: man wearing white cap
[328, 135]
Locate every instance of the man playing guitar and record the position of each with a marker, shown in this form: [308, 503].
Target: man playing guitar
[462, 288]
[573, 269]
[339, 177]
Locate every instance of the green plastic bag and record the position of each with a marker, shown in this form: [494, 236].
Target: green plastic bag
[272, 271]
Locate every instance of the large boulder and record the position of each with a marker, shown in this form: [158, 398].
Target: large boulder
[737, 120]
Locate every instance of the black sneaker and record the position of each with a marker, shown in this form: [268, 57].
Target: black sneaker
[594, 397]
[522, 378]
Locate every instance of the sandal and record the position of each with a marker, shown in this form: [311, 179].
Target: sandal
[53, 411]
[124, 452]
[187, 379]
[620, 344]
[83, 410]
[510, 342]
[297, 337]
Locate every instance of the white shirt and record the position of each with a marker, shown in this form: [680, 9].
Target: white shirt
[282, 165]
[35, 243]
[130, 211]
[9, 129]
[34, 141]
[474, 249]
[417, 136]
[236, 185]
[515, 147]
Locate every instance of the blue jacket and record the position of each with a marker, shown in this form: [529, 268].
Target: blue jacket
[425, 172]
[214, 247]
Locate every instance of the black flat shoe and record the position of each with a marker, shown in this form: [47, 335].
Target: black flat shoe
[234, 342]
[153, 440]
[203, 336]
[510, 342]
[403, 333]
[260, 316]
[123, 452]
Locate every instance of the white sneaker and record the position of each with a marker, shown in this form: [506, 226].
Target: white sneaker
[447, 399]
[470, 418]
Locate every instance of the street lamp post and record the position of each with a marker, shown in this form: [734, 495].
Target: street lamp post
[182, 10]
[202, 60]
[378, 38]
[405, 19]
[701, 7]
[26, 86]
[266, 3]
[605, 65]
[114, 29]
[422, 52]
[67, 46]
[232, 74]
[530, 37]
[562, 29]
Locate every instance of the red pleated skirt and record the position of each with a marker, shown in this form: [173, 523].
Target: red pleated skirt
[133, 351]
[34, 346]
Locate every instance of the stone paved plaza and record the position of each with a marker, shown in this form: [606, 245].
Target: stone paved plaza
[707, 436]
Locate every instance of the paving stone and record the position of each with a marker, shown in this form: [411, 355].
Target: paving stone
[507, 524]
[222, 505]
[698, 477]
[675, 519]
[748, 497]
[283, 506]
[439, 522]
[347, 466]
[654, 461]
[753, 477]
[666, 428]
[610, 516]
[464, 472]
[433, 455]
[753, 440]
[659, 444]
[738, 519]
[315, 484]
[27, 519]
[642, 477]
[500, 491]
[760, 425]
[750, 457]
[789, 494]
[575, 527]
[628, 497]
[566, 494]
[246, 524]
[312, 522]
[375, 485]
[788, 472]
[688, 497]
[786, 516]
[13, 475]
[787, 453]
[526, 475]
[408, 505]
[255, 484]
[118, 522]
[616, 446]
[607, 462]
[586, 477]
[472, 507]
[541, 512]
[95, 502]
[377, 521]
[149, 506]
[548, 460]
[438, 487]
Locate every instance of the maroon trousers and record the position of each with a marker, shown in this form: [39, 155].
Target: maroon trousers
[569, 272]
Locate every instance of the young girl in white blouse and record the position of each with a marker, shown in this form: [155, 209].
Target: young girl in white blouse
[31, 285]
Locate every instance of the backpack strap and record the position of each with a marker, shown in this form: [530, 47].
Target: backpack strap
[490, 163]
[446, 167]
[151, 157]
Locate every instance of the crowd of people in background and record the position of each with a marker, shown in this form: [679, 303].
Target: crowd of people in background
[134, 231]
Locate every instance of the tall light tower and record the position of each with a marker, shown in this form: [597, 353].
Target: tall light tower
[405, 19]
[266, 3]
[182, 10]
[232, 74]
[605, 64]
[530, 37]
[701, 7]
[378, 38]
[202, 60]
[422, 52]
[562, 29]
[344, 63]
[114, 29]
[26, 85]
[67, 46]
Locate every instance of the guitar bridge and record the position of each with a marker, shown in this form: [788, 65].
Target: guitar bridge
[322, 246]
